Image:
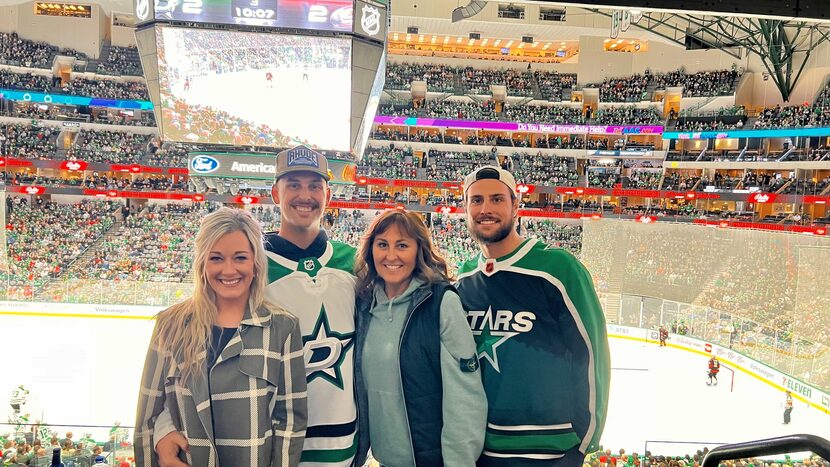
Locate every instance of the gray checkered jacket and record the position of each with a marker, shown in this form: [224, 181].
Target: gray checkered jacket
[257, 393]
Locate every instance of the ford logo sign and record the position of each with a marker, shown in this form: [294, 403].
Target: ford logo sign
[204, 164]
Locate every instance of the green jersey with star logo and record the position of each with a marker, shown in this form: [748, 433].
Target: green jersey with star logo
[541, 341]
[320, 293]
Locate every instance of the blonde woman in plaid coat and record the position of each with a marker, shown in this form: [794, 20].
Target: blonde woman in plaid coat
[225, 367]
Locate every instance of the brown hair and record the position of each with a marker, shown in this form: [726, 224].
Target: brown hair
[430, 266]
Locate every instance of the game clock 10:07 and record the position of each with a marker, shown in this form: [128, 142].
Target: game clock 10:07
[325, 15]
[254, 9]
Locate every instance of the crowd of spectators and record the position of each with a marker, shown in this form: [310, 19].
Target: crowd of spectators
[45, 237]
[704, 83]
[108, 146]
[390, 161]
[106, 88]
[645, 178]
[121, 61]
[17, 51]
[452, 165]
[680, 182]
[552, 84]
[794, 116]
[758, 285]
[167, 154]
[19, 452]
[155, 245]
[628, 115]
[628, 89]
[460, 110]
[556, 114]
[27, 141]
[566, 236]
[542, 169]
[478, 81]
[24, 81]
[439, 78]
[707, 125]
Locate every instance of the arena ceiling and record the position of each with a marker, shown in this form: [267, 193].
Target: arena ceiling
[783, 45]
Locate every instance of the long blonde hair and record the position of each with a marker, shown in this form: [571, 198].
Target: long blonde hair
[430, 266]
[184, 329]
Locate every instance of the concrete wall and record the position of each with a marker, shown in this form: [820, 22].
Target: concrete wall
[8, 18]
[83, 34]
[122, 36]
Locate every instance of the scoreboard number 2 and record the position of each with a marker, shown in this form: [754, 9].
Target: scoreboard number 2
[254, 9]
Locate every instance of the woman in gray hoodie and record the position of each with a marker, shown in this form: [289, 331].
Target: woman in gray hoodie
[415, 352]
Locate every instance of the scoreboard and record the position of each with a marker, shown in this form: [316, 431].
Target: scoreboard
[264, 73]
[320, 15]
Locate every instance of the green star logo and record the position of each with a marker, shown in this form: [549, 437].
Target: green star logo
[325, 351]
[488, 341]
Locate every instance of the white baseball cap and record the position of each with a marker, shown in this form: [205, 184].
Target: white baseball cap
[490, 172]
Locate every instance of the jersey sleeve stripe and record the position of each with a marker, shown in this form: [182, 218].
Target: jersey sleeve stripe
[562, 426]
[524, 455]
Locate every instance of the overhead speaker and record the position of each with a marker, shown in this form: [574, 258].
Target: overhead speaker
[464, 12]
[412, 30]
[475, 35]
[527, 39]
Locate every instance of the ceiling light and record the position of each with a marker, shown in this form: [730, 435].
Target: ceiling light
[408, 37]
[563, 43]
[607, 41]
[509, 44]
[458, 41]
[613, 45]
[433, 39]
[484, 42]
[497, 42]
[522, 45]
[395, 36]
[619, 41]
[446, 39]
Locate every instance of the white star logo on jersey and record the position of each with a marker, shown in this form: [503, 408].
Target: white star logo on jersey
[325, 351]
[488, 341]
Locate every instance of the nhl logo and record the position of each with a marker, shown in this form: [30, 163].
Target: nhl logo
[308, 265]
[142, 9]
[489, 267]
[370, 21]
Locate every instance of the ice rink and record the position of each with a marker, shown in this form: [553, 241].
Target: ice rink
[86, 371]
[287, 103]
[660, 394]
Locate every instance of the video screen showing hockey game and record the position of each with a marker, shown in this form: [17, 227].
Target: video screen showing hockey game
[247, 89]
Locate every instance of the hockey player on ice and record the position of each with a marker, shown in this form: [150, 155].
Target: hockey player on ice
[269, 79]
[714, 368]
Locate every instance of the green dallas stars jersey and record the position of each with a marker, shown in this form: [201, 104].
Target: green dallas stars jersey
[320, 293]
[543, 350]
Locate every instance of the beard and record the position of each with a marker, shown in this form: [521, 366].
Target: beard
[493, 237]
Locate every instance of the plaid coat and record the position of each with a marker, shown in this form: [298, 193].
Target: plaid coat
[257, 395]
